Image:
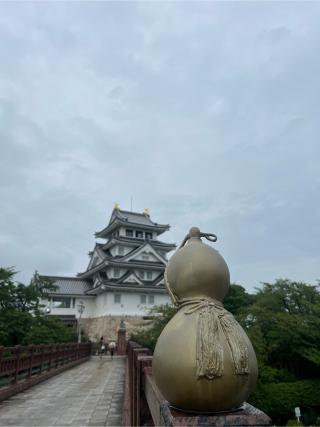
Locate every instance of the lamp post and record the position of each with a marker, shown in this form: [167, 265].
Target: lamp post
[81, 308]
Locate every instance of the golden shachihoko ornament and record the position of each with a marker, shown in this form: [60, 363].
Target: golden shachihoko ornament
[203, 360]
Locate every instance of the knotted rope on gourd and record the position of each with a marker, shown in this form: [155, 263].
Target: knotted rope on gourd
[214, 322]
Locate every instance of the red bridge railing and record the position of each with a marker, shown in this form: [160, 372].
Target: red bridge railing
[145, 406]
[23, 366]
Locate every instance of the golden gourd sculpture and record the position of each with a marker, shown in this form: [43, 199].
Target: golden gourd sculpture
[203, 360]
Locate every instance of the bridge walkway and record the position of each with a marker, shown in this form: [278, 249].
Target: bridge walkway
[90, 394]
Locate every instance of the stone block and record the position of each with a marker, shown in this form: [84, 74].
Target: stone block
[246, 416]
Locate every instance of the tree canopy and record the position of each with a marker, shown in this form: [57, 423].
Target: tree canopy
[22, 320]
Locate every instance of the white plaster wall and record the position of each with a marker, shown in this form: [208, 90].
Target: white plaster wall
[130, 304]
[115, 250]
[104, 305]
[90, 306]
[89, 303]
[110, 272]
[151, 257]
[153, 273]
[122, 231]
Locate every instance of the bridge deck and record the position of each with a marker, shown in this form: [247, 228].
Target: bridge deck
[90, 394]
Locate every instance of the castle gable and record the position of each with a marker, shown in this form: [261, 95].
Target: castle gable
[145, 253]
[132, 278]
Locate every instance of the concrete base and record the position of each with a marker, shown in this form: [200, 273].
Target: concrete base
[247, 416]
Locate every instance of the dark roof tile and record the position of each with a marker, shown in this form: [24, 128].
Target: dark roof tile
[69, 285]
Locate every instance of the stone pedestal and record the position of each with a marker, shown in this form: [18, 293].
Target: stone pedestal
[122, 343]
[247, 416]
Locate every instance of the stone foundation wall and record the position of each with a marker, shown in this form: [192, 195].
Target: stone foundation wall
[107, 326]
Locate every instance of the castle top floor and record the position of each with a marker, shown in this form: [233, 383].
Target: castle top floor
[131, 225]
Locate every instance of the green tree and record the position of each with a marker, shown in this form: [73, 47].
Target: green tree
[287, 316]
[49, 330]
[159, 316]
[283, 324]
[238, 299]
[21, 317]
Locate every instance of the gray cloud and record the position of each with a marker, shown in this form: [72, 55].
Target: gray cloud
[207, 113]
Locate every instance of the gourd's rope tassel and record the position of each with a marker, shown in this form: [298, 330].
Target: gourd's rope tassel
[214, 321]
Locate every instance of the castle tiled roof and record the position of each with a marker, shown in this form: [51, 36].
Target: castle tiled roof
[134, 219]
[134, 287]
[69, 285]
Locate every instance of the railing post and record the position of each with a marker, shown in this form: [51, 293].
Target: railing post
[90, 349]
[57, 355]
[42, 356]
[63, 353]
[143, 413]
[1, 356]
[136, 352]
[17, 351]
[50, 357]
[66, 354]
[121, 344]
[31, 349]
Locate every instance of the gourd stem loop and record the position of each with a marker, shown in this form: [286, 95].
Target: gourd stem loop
[195, 232]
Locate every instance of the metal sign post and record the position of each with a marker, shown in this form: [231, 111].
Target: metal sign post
[81, 308]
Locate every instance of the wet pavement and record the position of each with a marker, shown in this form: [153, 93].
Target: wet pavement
[90, 394]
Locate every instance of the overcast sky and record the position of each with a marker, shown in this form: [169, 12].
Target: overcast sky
[206, 113]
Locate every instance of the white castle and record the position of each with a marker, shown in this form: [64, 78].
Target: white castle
[124, 276]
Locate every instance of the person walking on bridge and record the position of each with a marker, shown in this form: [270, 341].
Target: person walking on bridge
[102, 345]
[112, 347]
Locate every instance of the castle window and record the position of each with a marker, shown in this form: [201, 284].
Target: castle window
[129, 233]
[143, 299]
[103, 274]
[149, 275]
[117, 298]
[151, 299]
[61, 302]
[141, 274]
[139, 234]
[149, 236]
